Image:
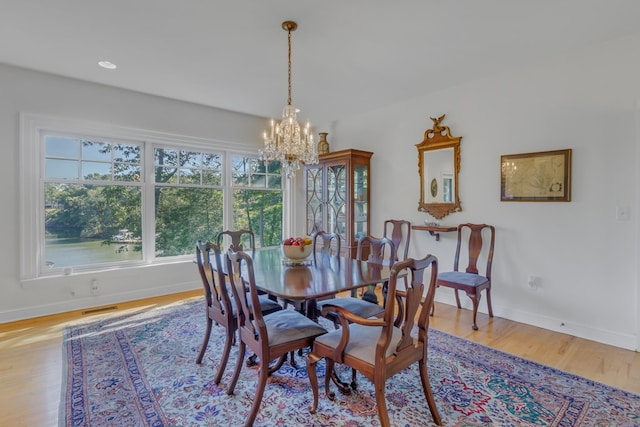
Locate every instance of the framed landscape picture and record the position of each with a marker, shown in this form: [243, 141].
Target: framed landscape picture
[544, 176]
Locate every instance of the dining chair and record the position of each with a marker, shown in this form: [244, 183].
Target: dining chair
[379, 348]
[367, 306]
[239, 239]
[475, 240]
[220, 307]
[270, 337]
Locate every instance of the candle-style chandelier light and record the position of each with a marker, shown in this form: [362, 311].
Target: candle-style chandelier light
[286, 141]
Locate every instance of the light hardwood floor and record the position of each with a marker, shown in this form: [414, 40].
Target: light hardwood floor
[31, 355]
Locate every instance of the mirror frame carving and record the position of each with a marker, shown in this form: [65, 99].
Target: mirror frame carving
[437, 138]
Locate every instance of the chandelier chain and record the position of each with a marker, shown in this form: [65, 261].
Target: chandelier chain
[289, 66]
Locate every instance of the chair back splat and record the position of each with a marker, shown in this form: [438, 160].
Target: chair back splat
[240, 239]
[478, 241]
[379, 348]
[325, 243]
[381, 251]
[399, 231]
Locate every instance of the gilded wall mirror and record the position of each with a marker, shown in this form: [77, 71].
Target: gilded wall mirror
[438, 166]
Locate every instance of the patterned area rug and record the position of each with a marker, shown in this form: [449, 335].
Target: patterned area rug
[139, 370]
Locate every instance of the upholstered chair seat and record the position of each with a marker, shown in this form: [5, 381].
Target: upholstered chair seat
[355, 305]
[468, 279]
[362, 341]
[288, 325]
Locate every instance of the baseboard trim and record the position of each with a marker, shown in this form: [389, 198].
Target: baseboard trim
[614, 338]
[86, 303]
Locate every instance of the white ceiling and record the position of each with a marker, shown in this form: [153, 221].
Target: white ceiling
[349, 56]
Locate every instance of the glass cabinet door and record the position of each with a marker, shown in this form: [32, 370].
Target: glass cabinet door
[360, 200]
[315, 199]
[337, 199]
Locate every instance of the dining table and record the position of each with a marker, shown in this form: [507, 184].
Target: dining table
[319, 277]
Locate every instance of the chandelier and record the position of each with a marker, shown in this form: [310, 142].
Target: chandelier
[286, 141]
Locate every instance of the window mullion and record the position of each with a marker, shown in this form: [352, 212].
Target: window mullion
[227, 193]
[148, 204]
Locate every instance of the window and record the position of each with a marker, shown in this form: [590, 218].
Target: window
[188, 198]
[114, 197]
[92, 201]
[257, 197]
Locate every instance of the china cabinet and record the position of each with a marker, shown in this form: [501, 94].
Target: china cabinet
[337, 193]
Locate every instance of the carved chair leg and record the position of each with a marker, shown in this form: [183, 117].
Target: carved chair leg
[225, 356]
[426, 387]
[236, 373]
[381, 402]
[252, 360]
[327, 378]
[457, 298]
[205, 342]
[343, 387]
[354, 382]
[312, 359]
[489, 302]
[257, 399]
[475, 299]
[277, 365]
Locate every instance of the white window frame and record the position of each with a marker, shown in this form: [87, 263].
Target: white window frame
[33, 127]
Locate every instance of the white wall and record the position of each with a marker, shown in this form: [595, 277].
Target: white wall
[23, 91]
[585, 259]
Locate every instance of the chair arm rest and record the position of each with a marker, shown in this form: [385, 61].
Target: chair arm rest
[348, 316]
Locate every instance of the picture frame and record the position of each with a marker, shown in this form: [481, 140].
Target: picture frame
[543, 176]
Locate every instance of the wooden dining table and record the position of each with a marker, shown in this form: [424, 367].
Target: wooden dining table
[315, 279]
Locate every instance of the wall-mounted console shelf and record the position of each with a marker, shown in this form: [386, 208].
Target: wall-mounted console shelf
[435, 230]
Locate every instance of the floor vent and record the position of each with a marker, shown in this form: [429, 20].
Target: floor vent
[100, 310]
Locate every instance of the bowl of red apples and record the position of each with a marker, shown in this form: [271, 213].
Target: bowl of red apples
[297, 248]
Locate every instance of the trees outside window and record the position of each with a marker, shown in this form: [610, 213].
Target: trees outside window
[257, 198]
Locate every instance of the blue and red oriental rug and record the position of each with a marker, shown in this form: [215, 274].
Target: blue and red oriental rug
[139, 370]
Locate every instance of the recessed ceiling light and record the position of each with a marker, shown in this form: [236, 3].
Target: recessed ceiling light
[108, 65]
